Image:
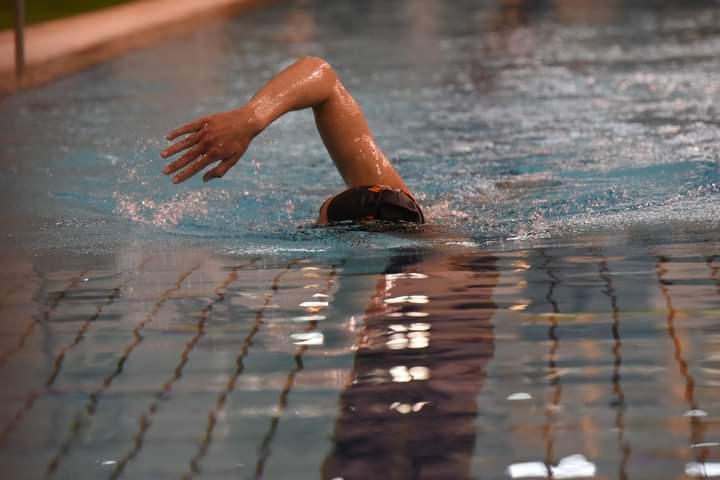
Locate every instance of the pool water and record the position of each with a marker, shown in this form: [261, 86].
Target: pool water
[557, 319]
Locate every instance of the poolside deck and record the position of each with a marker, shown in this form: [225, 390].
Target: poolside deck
[59, 47]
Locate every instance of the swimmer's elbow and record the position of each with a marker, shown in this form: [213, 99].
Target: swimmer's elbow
[319, 65]
[316, 62]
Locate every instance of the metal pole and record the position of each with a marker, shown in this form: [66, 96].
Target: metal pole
[19, 38]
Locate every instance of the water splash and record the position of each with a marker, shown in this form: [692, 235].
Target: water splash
[162, 213]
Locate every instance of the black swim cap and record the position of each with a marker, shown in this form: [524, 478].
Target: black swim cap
[375, 202]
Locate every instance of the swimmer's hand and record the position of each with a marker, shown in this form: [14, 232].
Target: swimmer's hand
[222, 137]
[308, 83]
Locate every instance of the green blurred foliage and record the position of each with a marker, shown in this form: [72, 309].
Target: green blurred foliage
[43, 10]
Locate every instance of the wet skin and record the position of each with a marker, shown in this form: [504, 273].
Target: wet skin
[308, 83]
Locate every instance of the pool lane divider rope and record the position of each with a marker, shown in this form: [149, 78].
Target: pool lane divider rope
[83, 418]
[44, 318]
[215, 410]
[619, 403]
[145, 420]
[264, 448]
[58, 362]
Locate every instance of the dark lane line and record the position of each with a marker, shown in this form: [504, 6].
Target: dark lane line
[83, 418]
[44, 318]
[619, 402]
[697, 426]
[32, 397]
[206, 441]
[264, 450]
[161, 395]
[553, 373]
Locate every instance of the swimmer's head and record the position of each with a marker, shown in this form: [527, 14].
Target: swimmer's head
[369, 204]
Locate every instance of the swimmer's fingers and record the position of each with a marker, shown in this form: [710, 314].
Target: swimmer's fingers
[180, 146]
[222, 169]
[203, 161]
[193, 126]
[194, 153]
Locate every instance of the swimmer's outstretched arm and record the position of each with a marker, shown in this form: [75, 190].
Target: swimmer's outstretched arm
[309, 82]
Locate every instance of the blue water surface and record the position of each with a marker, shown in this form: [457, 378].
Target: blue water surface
[508, 122]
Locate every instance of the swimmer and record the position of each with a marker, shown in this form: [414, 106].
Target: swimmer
[375, 190]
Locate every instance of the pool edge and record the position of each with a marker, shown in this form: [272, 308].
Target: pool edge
[61, 47]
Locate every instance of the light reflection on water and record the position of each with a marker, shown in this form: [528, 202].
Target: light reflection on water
[166, 371]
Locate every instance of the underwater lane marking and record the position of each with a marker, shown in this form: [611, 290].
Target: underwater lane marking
[696, 424]
[84, 417]
[264, 448]
[619, 404]
[115, 293]
[204, 445]
[548, 430]
[58, 362]
[145, 420]
[49, 310]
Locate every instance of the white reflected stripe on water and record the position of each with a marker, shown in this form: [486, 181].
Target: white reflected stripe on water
[406, 408]
[408, 314]
[309, 318]
[402, 374]
[702, 470]
[397, 342]
[314, 304]
[527, 470]
[395, 276]
[414, 327]
[309, 338]
[519, 396]
[418, 342]
[408, 299]
[574, 466]
[695, 413]
[419, 373]
[416, 336]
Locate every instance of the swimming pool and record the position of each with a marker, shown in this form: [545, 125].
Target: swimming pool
[561, 320]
